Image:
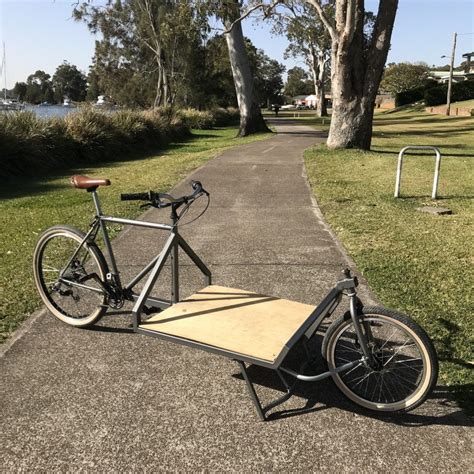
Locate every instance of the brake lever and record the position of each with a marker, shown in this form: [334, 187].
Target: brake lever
[147, 204]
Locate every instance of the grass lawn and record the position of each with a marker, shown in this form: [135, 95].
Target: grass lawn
[463, 103]
[27, 207]
[415, 262]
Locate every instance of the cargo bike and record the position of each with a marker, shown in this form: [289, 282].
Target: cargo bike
[379, 358]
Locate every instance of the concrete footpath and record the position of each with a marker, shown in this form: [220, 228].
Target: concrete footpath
[106, 399]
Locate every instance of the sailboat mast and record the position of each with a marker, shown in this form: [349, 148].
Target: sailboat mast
[4, 71]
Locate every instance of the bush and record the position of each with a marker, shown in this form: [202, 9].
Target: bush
[460, 91]
[32, 146]
[198, 119]
[408, 97]
[436, 95]
[207, 119]
[224, 117]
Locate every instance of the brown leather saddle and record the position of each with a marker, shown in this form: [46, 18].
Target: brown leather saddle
[84, 182]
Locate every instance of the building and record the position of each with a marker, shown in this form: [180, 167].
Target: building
[458, 76]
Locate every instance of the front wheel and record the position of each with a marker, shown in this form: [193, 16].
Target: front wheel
[66, 273]
[405, 366]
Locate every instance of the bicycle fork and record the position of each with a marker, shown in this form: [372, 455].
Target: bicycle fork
[362, 329]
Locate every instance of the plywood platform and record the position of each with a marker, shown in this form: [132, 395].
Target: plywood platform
[240, 321]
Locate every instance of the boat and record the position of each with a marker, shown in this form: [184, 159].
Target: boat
[8, 104]
[104, 103]
[68, 102]
[11, 104]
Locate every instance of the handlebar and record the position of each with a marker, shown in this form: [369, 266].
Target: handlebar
[156, 199]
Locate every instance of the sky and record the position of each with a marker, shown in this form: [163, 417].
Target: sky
[40, 34]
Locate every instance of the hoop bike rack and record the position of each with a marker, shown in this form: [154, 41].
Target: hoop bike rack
[400, 162]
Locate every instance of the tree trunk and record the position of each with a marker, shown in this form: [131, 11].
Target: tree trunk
[318, 72]
[321, 108]
[251, 120]
[356, 69]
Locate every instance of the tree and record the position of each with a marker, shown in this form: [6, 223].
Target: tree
[358, 56]
[19, 90]
[267, 74]
[39, 88]
[146, 45]
[298, 83]
[310, 41]
[93, 85]
[359, 50]
[403, 77]
[69, 82]
[229, 11]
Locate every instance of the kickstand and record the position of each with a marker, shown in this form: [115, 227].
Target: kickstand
[262, 411]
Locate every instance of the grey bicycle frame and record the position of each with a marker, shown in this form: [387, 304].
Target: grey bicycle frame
[170, 249]
[153, 268]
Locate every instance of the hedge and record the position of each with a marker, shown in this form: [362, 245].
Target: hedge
[30, 145]
[460, 91]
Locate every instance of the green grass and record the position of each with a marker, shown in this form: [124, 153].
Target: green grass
[28, 207]
[464, 103]
[418, 263]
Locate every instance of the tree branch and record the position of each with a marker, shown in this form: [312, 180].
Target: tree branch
[350, 20]
[266, 8]
[324, 18]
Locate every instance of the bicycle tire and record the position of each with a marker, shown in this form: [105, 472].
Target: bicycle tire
[405, 378]
[75, 306]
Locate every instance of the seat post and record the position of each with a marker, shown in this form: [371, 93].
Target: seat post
[95, 198]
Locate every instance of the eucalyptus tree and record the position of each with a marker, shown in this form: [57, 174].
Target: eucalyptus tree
[143, 42]
[309, 40]
[358, 54]
[231, 14]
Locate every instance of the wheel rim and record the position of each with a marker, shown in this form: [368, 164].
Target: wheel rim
[71, 303]
[403, 372]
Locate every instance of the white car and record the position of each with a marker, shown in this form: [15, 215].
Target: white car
[288, 107]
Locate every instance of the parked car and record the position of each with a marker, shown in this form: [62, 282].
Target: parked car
[302, 107]
[288, 107]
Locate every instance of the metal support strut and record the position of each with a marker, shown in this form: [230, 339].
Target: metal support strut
[262, 411]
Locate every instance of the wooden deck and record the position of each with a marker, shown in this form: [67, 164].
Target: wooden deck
[240, 321]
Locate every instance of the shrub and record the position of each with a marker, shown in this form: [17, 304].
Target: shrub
[224, 117]
[436, 95]
[30, 145]
[460, 91]
[408, 97]
[199, 119]
[207, 119]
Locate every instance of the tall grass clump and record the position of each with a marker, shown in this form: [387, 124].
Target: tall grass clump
[30, 145]
[207, 119]
[198, 119]
[224, 117]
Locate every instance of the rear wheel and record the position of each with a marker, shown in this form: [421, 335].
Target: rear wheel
[66, 286]
[405, 369]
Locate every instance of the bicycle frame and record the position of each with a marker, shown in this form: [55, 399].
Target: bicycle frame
[153, 268]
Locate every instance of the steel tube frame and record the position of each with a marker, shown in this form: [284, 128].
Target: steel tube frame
[400, 164]
[153, 270]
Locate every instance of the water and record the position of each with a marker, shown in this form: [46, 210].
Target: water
[48, 111]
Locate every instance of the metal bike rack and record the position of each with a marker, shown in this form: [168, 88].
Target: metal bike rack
[437, 167]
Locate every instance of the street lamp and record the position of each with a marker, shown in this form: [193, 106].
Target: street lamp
[450, 81]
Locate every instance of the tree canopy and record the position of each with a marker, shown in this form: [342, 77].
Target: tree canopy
[402, 77]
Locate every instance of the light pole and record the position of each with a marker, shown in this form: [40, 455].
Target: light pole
[450, 81]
